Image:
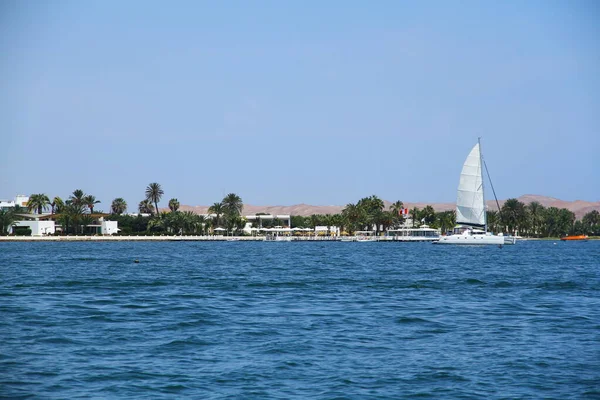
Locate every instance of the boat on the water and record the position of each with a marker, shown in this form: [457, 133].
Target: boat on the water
[471, 215]
[575, 237]
[361, 236]
[422, 234]
[278, 238]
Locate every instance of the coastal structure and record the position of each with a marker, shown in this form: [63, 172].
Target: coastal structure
[44, 224]
[19, 200]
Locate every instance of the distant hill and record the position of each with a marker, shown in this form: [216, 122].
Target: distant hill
[579, 207]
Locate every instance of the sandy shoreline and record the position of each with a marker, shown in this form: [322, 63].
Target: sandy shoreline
[124, 238]
[187, 239]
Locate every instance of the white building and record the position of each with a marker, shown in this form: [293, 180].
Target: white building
[109, 227]
[19, 200]
[41, 224]
[38, 228]
[268, 217]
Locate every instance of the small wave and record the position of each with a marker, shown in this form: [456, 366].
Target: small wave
[277, 285]
[503, 284]
[567, 285]
[423, 285]
[473, 281]
[58, 340]
[412, 320]
[183, 343]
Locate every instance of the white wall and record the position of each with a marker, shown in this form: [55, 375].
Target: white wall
[38, 228]
[109, 227]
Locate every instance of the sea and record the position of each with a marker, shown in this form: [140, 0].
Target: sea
[299, 320]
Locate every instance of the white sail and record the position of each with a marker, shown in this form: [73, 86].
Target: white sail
[470, 202]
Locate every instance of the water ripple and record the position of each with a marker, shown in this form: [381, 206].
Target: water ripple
[302, 320]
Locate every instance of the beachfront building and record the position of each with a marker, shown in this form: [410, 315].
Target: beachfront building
[19, 200]
[268, 217]
[44, 224]
[38, 228]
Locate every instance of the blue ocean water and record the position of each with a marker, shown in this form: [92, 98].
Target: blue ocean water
[299, 320]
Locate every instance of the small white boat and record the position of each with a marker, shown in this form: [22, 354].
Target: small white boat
[470, 207]
[277, 238]
[366, 236]
[366, 239]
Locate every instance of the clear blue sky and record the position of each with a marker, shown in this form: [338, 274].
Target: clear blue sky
[287, 102]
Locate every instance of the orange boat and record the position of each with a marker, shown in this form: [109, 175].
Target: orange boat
[576, 237]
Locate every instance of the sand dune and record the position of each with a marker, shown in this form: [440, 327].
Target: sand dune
[579, 207]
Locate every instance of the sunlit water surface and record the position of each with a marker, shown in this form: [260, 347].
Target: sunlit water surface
[299, 320]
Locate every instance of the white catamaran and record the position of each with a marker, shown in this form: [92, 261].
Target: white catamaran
[470, 207]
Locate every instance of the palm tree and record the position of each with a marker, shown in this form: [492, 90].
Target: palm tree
[513, 214]
[77, 197]
[414, 214]
[118, 206]
[396, 208]
[493, 221]
[387, 220]
[428, 214]
[89, 200]
[71, 216]
[173, 205]
[352, 214]
[591, 222]
[39, 202]
[566, 220]
[57, 204]
[232, 205]
[154, 193]
[446, 220]
[146, 207]
[218, 210]
[157, 224]
[337, 220]
[535, 211]
[7, 217]
[190, 222]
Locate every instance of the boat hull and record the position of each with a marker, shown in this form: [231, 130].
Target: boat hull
[578, 237]
[472, 240]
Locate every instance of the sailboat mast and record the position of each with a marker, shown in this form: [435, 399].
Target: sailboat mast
[492, 186]
[482, 184]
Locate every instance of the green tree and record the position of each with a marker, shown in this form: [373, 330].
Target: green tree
[77, 197]
[173, 205]
[396, 208]
[371, 212]
[57, 204]
[7, 218]
[146, 207]
[71, 217]
[154, 193]
[566, 220]
[414, 215]
[535, 215]
[337, 220]
[493, 221]
[38, 202]
[352, 215]
[445, 220]
[90, 200]
[591, 223]
[232, 205]
[217, 209]
[427, 215]
[192, 222]
[118, 206]
[513, 214]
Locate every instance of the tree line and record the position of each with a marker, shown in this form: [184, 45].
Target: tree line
[368, 213]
